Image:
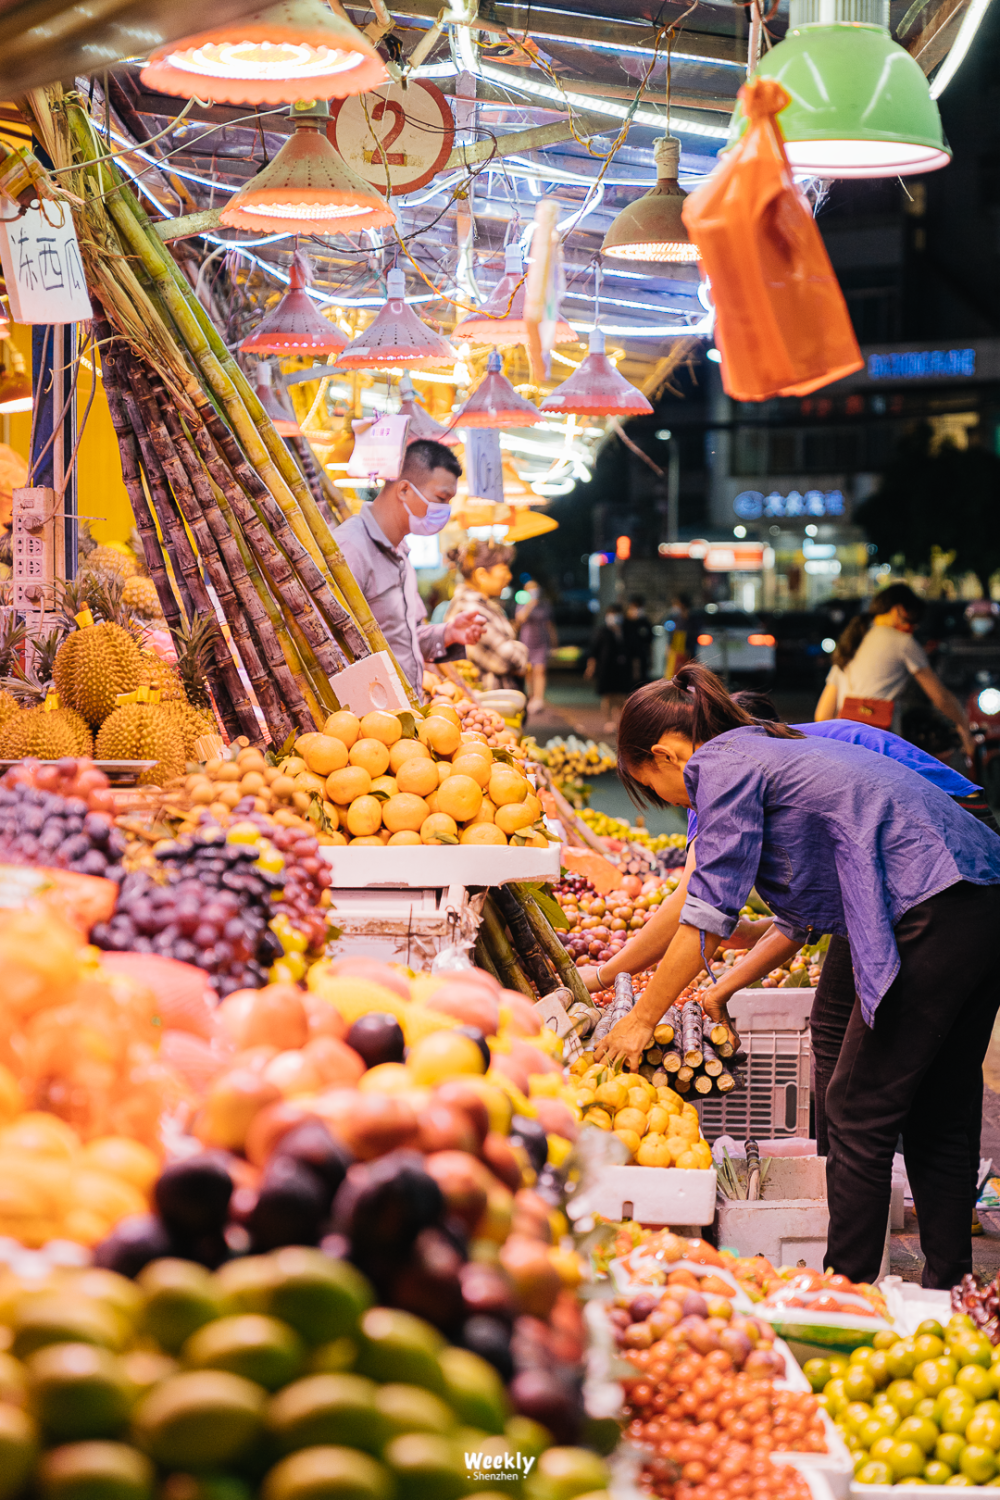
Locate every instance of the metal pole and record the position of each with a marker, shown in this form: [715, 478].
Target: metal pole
[673, 490]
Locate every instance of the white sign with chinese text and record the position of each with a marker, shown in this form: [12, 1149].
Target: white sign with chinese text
[484, 464]
[42, 266]
[378, 447]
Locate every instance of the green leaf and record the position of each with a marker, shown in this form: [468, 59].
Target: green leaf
[380, 794]
[409, 724]
[289, 744]
[500, 752]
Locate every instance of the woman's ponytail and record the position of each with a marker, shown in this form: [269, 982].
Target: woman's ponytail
[850, 639]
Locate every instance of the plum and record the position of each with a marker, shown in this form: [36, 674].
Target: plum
[427, 1283]
[475, 1035]
[382, 1205]
[291, 1206]
[490, 1339]
[531, 1135]
[550, 1400]
[312, 1145]
[193, 1195]
[377, 1038]
[132, 1244]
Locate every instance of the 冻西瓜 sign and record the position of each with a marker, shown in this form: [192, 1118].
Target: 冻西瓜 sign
[42, 266]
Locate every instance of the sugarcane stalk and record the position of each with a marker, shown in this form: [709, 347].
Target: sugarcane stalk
[682, 1085]
[529, 950]
[244, 719]
[483, 960]
[220, 555]
[713, 1062]
[663, 1034]
[128, 449]
[725, 1083]
[715, 1032]
[654, 1055]
[566, 969]
[619, 1008]
[685, 1073]
[703, 1084]
[671, 1061]
[500, 950]
[691, 1037]
[333, 506]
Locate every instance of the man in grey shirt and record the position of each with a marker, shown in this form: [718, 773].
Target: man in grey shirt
[417, 503]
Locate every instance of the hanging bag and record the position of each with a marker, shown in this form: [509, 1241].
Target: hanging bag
[782, 325]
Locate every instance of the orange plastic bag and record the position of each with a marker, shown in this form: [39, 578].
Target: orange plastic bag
[782, 325]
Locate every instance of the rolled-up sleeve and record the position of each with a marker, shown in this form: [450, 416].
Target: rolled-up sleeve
[727, 790]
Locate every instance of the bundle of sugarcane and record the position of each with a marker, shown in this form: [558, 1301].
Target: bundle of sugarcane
[518, 944]
[623, 1002]
[229, 511]
[687, 1052]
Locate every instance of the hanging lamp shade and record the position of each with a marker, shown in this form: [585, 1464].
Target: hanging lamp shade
[651, 228]
[596, 389]
[300, 49]
[396, 339]
[282, 418]
[307, 187]
[295, 326]
[423, 427]
[860, 104]
[495, 403]
[500, 320]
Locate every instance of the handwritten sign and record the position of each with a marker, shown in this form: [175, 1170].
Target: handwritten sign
[42, 267]
[484, 464]
[394, 135]
[378, 447]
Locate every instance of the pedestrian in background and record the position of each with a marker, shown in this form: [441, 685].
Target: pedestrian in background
[608, 665]
[638, 639]
[537, 632]
[485, 573]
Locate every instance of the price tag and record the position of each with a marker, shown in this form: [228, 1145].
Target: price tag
[393, 135]
[42, 267]
[378, 448]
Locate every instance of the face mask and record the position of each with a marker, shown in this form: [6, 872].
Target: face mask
[435, 520]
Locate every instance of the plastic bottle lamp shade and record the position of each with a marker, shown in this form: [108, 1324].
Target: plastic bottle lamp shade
[299, 49]
[295, 326]
[860, 106]
[396, 339]
[283, 419]
[422, 425]
[495, 403]
[307, 187]
[651, 228]
[500, 320]
[596, 389]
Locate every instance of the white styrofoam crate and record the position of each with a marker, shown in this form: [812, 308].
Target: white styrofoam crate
[650, 1195]
[774, 1101]
[402, 926]
[909, 1305]
[789, 1225]
[406, 866]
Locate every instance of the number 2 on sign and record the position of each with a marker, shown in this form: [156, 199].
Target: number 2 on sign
[382, 152]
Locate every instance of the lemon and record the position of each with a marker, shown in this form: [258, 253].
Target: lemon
[410, 1408]
[327, 1473]
[179, 1297]
[427, 1467]
[95, 1471]
[474, 1389]
[259, 1348]
[18, 1448]
[200, 1419]
[54, 1319]
[322, 1299]
[328, 1410]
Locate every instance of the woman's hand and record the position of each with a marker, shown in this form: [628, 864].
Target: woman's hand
[717, 1009]
[625, 1042]
[589, 976]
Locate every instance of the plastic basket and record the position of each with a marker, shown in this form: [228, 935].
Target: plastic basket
[774, 1100]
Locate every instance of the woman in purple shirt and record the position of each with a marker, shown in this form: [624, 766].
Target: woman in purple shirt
[838, 840]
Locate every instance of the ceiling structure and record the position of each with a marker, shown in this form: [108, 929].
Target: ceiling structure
[562, 99]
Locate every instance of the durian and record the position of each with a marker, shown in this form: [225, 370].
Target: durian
[92, 666]
[192, 723]
[139, 594]
[49, 735]
[143, 731]
[106, 558]
[154, 672]
[9, 706]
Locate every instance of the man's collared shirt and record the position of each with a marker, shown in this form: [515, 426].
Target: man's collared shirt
[388, 581]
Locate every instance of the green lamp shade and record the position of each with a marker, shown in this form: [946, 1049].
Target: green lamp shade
[860, 105]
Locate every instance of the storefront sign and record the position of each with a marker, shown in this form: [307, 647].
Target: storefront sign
[734, 557]
[752, 505]
[393, 134]
[42, 266]
[922, 364]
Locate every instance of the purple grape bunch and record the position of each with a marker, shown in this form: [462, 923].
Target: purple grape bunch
[213, 910]
[43, 828]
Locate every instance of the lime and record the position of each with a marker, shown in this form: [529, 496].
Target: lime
[836, 1398]
[873, 1472]
[320, 1297]
[956, 1416]
[179, 1297]
[42, 1320]
[838, 1364]
[13, 1381]
[984, 1429]
[528, 1437]
[878, 1369]
[861, 1355]
[18, 1449]
[958, 1481]
[397, 1346]
[884, 1339]
[931, 1326]
[858, 1384]
[904, 1395]
[874, 1428]
[972, 1349]
[887, 1414]
[200, 1419]
[928, 1346]
[114, 1291]
[901, 1359]
[146, 1368]
[474, 1389]
[204, 1487]
[949, 1448]
[248, 1344]
[95, 1471]
[79, 1391]
[977, 1382]
[327, 1473]
[937, 1473]
[852, 1417]
[978, 1462]
[817, 1372]
[925, 1408]
[328, 1410]
[410, 1408]
[959, 1323]
[245, 1285]
[907, 1460]
[932, 1376]
[565, 1473]
[429, 1467]
[917, 1430]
